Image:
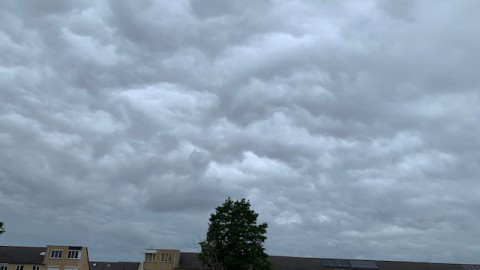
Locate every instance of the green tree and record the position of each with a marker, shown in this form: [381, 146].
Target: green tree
[2, 229]
[234, 239]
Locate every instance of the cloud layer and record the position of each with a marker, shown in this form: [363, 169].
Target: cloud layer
[352, 126]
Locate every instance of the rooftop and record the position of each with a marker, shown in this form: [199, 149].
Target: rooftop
[23, 255]
[95, 265]
[188, 260]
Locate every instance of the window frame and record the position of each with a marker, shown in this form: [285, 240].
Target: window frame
[78, 252]
[166, 257]
[150, 257]
[59, 252]
[19, 267]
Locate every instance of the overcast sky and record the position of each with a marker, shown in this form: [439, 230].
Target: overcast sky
[351, 126]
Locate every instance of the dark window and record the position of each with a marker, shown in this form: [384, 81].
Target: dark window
[55, 254]
[73, 254]
[166, 257]
[150, 257]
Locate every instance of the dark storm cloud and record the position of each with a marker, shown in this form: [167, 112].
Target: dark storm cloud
[351, 126]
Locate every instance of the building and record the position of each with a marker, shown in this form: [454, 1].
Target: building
[76, 258]
[167, 259]
[22, 258]
[161, 259]
[44, 258]
[66, 258]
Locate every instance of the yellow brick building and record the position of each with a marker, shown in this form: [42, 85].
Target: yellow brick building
[161, 259]
[44, 258]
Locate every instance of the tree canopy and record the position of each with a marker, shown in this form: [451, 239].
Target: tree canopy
[234, 239]
[2, 229]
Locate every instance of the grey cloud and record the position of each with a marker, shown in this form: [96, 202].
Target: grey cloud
[213, 9]
[351, 126]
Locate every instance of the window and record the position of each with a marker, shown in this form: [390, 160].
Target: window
[3, 267]
[19, 267]
[36, 267]
[73, 254]
[56, 254]
[166, 257]
[150, 257]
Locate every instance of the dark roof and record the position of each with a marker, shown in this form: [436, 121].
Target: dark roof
[188, 260]
[417, 266]
[21, 255]
[297, 263]
[114, 265]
